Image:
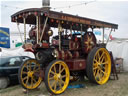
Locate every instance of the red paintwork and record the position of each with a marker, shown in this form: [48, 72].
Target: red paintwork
[45, 45]
[76, 55]
[76, 64]
[74, 45]
[29, 50]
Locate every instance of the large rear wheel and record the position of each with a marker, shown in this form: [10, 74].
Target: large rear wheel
[57, 77]
[98, 65]
[29, 74]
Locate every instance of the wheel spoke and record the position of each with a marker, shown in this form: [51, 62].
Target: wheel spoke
[97, 72]
[99, 75]
[63, 76]
[37, 70]
[62, 81]
[62, 70]
[34, 67]
[32, 81]
[95, 68]
[24, 72]
[98, 56]
[95, 60]
[86, 42]
[102, 59]
[104, 63]
[29, 66]
[105, 74]
[90, 46]
[60, 84]
[102, 55]
[55, 69]
[103, 68]
[25, 78]
[102, 71]
[87, 48]
[51, 78]
[52, 72]
[90, 39]
[53, 84]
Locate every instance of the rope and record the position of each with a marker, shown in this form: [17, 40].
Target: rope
[85, 3]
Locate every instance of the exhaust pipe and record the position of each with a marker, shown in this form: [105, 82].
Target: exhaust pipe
[46, 4]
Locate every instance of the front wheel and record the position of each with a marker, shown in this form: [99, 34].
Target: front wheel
[57, 77]
[29, 74]
[98, 65]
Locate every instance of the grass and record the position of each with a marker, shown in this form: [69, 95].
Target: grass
[112, 88]
[9, 89]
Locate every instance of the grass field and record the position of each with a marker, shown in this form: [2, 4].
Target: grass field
[111, 88]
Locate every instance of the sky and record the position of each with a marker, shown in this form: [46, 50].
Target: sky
[113, 11]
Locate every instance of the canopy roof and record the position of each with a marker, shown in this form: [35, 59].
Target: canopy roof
[55, 17]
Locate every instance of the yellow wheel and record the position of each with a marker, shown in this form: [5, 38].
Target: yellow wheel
[98, 65]
[28, 74]
[57, 77]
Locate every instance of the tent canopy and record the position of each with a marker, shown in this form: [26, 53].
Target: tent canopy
[119, 50]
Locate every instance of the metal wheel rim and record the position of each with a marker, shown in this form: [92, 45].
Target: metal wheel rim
[101, 66]
[58, 85]
[28, 79]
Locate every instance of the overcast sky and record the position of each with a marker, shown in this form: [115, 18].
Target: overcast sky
[106, 10]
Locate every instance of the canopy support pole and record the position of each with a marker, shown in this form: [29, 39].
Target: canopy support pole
[59, 33]
[71, 30]
[24, 29]
[81, 32]
[109, 36]
[37, 29]
[43, 29]
[103, 35]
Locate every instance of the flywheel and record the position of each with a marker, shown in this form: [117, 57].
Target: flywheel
[89, 42]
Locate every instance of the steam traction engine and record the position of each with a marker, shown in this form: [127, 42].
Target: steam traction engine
[74, 51]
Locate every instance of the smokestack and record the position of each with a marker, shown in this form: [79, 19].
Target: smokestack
[46, 4]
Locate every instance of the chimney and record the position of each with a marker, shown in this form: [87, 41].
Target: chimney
[46, 4]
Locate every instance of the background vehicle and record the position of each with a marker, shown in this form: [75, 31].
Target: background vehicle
[9, 67]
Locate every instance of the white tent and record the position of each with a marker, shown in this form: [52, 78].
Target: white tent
[19, 51]
[100, 39]
[119, 49]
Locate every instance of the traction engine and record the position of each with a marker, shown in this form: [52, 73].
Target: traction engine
[72, 52]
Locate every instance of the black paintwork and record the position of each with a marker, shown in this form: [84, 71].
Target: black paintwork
[11, 70]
